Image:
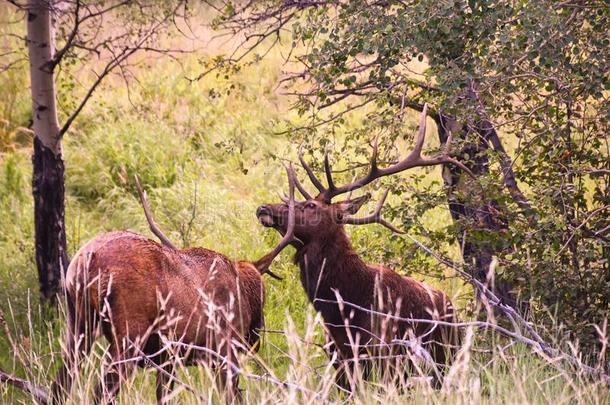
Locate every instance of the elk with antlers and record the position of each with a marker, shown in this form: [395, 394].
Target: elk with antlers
[363, 306]
[152, 301]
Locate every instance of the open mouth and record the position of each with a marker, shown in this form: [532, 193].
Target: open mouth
[265, 217]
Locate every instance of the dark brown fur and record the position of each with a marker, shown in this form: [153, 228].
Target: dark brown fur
[137, 291]
[331, 270]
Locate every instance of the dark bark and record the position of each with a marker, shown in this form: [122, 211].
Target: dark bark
[472, 208]
[48, 191]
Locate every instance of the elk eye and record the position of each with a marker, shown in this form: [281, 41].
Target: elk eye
[310, 205]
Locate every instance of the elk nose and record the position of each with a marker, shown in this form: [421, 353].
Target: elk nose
[263, 210]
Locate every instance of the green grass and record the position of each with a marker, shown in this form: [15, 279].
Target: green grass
[208, 159]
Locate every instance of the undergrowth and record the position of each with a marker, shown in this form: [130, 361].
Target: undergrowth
[209, 152]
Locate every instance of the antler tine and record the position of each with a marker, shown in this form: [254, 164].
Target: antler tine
[373, 166]
[151, 222]
[329, 175]
[301, 189]
[312, 177]
[413, 159]
[263, 263]
[375, 217]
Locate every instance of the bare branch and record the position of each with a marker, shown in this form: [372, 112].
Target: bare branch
[489, 133]
[39, 393]
[69, 41]
[551, 354]
[434, 322]
[115, 62]
[222, 359]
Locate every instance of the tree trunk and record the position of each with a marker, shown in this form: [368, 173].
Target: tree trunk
[48, 166]
[468, 206]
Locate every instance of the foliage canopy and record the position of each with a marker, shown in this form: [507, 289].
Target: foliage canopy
[530, 77]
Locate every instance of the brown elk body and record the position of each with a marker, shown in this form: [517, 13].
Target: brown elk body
[331, 272]
[368, 310]
[152, 301]
[135, 289]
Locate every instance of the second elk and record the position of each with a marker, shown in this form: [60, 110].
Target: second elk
[375, 317]
[159, 306]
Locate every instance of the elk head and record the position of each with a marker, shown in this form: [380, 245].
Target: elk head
[318, 215]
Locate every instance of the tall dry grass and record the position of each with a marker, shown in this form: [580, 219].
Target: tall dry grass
[210, 152]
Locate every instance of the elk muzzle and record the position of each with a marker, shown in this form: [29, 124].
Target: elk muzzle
[264, 213]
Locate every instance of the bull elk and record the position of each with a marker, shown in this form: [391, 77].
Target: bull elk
[141, 295]
[360, 303]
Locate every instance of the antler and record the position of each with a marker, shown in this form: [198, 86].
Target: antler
[151, 222]
[374, 218]
[264, 262]
[414, 159]
[312, 177]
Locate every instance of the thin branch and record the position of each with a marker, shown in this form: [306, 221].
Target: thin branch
[479, 324]
[229, 363]
[110, 66]
[550, 353]
[39, 393]
[69, 41]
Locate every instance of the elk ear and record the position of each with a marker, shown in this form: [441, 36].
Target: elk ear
[352, 206]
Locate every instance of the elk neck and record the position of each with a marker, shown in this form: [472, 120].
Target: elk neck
[328, 263]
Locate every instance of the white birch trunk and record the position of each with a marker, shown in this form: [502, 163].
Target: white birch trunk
[48, 166]
[41, 47]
